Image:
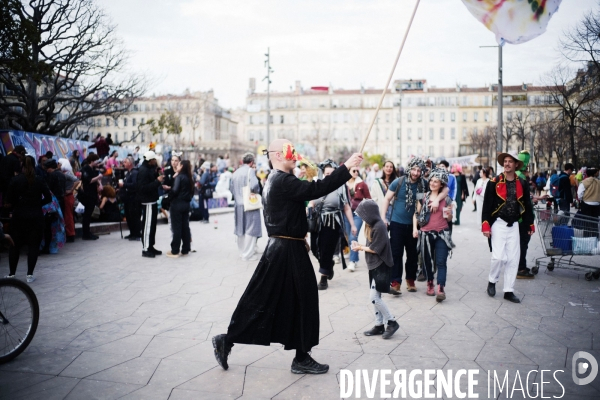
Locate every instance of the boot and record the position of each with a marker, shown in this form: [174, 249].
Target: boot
[491, 290]
[395, 289]
[323, 284]
[376, 330]
[392, 327]
[421, 277]
[510, 296]
[441, 294]
[410, 285]
[430, 288]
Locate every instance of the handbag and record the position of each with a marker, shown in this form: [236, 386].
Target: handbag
[313, 217]
[96, 213]
[252, 201]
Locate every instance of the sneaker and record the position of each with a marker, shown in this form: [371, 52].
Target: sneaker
[525, 274]
[171, 255]
[156, 252]
[222, 350]
[148, 254]
[9, 276]
[392, 327]
[430, 288]
[323, 285]
[421, 277]
[308, 366]
[441, 294]
[376, 330]
[491, 290]
[30, 278]
[127, 237]
[134, 239]
[410, 285]
[336, 259]
[352, 266]
[395, 289]
[510, 296]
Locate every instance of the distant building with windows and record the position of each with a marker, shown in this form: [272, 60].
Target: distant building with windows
[414, 119]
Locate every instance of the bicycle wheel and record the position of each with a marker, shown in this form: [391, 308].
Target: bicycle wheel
[19, 315]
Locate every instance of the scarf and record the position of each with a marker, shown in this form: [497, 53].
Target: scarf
[410, 198]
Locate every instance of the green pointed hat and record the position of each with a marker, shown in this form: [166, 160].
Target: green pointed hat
[524, 157]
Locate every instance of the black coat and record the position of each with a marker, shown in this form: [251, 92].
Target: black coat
[147, 185]
[281, 302]
[28, 199]
[129, 185]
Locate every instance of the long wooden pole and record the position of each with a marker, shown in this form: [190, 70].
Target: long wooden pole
[390, 77]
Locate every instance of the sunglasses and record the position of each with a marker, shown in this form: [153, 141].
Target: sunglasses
[354, 171]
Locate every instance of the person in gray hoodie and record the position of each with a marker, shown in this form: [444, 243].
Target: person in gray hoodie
[378, 255]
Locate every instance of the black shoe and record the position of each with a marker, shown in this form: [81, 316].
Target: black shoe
[323, 283]
[330, 277]
[392, 327]
[148, 254]
[491, 290]
[127, 237]
[134, 238]
[222, 350]
[510, 296]
[376, 330]
[156, 252]
[70, 239]
[421, 277]
[525, 274]
[308, 366]
[91, 237]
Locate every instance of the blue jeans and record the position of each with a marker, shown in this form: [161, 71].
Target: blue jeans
[401, 237]
[440, 252]
[358, 223]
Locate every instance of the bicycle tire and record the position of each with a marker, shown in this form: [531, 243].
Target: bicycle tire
[7, 354]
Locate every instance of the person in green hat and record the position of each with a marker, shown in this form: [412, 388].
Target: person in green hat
[524, 236]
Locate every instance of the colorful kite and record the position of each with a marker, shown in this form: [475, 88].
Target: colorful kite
[514, 21]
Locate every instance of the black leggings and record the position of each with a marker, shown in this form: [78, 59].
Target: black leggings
[180, 225]
[25, 231]
[328, 239]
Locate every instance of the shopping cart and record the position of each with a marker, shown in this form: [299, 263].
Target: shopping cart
[567, 239]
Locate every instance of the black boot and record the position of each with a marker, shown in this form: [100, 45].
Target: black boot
[491, 290]
[510, 296]
[392, 327]
[323, 284]
[376, 330]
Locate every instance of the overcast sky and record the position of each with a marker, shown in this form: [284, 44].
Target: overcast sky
[220, 44]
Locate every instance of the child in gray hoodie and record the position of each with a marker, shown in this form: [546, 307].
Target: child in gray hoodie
[378, 255]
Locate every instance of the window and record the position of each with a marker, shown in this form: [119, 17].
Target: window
[387, 133]
[304, 118]
[314, 118]
[335, 118]
[143, 121]
[441, 152]
[420, 117]
[325, 117]
[133, 136]
[398, 133]
[409, 134]
[453, 133]
[442, 134]
[475, 131]
[452, 117]
[475, 116]
[431, 133]
[420, 133]
[408, 151]
[442, 116]
[116, 137]
[452, 151]
[486, 100]
[251, 120]
[107, 121]
[251, 136]
[464, 117]
[509, 116]
[281, 119]
[125, 121]
[143, 137]
[125, 136]
[464, 101]
[387, 117]
[464, 134]
[486, 116]
[431, 117]
[133, 122]
[409, 117]
[430, 151]
[345, 117]
[398, 116]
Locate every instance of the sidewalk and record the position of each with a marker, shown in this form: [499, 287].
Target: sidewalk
[116, 325]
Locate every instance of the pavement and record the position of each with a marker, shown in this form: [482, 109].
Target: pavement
[114, 325]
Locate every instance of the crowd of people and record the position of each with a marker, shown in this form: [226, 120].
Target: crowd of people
[408, 210]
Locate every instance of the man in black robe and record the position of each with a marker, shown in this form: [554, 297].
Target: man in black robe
[281, 302]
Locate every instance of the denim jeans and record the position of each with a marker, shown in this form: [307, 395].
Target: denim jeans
[358, 223]
[440, 252]
[401, 237]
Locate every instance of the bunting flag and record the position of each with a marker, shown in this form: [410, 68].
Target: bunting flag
[514, 21]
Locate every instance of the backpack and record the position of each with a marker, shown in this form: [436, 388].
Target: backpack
[554, 185]
[541, 181]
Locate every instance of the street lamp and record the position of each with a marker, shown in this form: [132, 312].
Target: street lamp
[500, 100]
[268, 78]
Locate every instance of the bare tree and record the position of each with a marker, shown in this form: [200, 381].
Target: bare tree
[66, 67]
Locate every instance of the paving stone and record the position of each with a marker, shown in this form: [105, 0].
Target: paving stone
[267, 382]
[216, 380]
[56, 388]
[91, 390]
[89, 363]
[137, 371]
[133, 345]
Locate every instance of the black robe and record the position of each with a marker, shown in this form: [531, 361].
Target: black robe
[281, 302]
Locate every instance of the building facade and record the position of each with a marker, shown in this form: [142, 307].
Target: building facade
[414, 119]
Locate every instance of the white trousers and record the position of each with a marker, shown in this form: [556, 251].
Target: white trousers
[506, 252]
[246, 246]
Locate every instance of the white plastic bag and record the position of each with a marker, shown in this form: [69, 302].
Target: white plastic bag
[79, 209]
